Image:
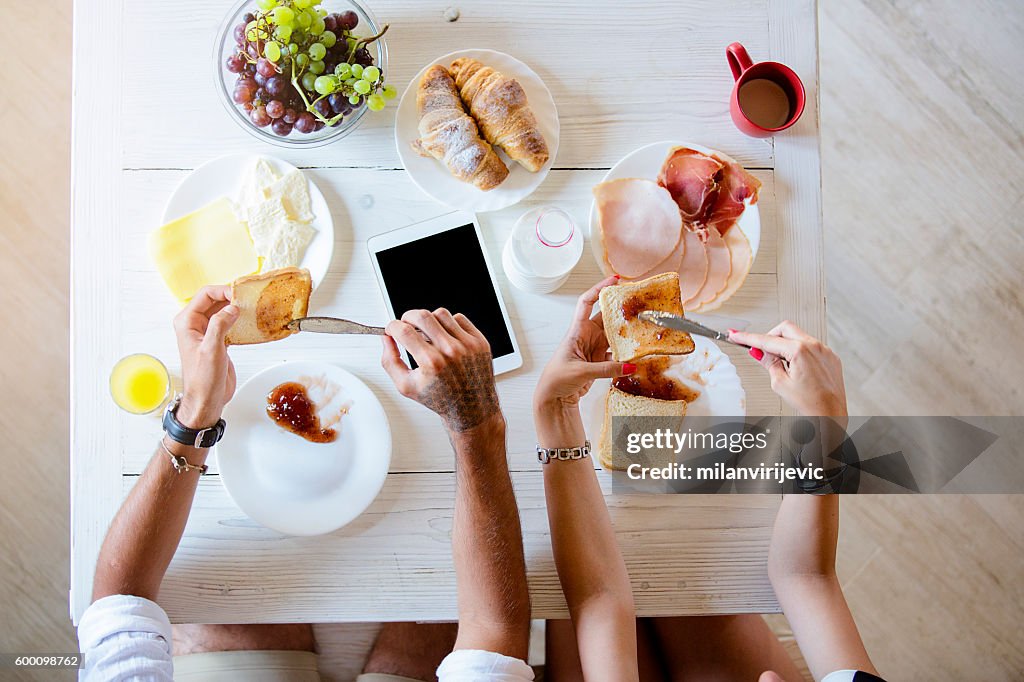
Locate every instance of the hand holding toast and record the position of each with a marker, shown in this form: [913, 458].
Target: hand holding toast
[207, 374]
[455, 376]
[805, 373]
[581, 358]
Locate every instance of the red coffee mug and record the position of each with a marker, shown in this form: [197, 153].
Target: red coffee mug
[760, 110]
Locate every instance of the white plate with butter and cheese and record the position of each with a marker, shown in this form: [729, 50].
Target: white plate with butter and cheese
[238, 215]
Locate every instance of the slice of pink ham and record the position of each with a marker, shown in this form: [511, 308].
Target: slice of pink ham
[692, 178]
[670, 264]
[693, 269]
[741, 259]
[640, 224]
[719, 268]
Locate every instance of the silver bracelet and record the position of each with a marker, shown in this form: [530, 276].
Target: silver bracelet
[181, 464]
[545, 455]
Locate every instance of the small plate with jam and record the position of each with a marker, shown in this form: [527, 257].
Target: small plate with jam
[307, 448]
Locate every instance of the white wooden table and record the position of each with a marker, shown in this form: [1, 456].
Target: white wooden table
[145, 113]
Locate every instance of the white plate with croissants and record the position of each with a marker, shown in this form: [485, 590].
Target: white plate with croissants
[477, 130]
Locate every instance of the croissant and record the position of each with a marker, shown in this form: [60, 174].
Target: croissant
[499, 105]
[449, 134]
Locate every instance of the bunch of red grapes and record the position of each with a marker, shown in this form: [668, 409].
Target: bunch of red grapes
[267, 58]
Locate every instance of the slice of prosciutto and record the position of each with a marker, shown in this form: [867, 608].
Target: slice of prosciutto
[736, 186]
[719, 269]
[640, 225]
[741, 259]
[693, 179]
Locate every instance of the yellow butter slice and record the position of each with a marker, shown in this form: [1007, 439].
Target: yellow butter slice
[208, 246]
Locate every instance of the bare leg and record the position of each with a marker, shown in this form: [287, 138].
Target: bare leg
[197, 639]
[562, 659]
[411, 649]
[721, 648]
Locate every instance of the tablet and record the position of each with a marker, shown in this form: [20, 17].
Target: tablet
[442, 263]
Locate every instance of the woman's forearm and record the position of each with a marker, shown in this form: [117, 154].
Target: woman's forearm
[801, 565]
[587, 556]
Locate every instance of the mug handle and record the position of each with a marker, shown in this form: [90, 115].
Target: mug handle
[739, 60]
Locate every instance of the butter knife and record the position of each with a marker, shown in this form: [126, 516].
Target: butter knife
[663, 319]
[332, 325]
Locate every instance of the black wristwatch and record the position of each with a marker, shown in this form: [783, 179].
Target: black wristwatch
[196, 438]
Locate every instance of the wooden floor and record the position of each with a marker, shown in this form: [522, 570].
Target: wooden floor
[923, 164]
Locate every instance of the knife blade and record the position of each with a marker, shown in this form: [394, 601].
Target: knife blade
[332, 325]
[663, 319]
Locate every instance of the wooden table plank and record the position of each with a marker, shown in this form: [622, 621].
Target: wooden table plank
[686, 554]
[794, 41]
[614, 72]
[95, 318]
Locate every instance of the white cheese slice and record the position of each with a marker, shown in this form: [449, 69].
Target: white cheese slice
[257, 179]
[293, 191]
[264, 220]
[289, 245]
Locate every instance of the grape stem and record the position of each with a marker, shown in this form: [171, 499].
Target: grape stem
[365, 41]
[298, 87]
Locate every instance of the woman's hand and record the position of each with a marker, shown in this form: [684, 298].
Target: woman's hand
[581, 358]
[804, 371]
[207, 375]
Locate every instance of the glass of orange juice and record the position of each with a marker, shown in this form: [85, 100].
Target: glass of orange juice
[140, 384]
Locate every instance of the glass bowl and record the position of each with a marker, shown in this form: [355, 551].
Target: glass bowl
[225, 80]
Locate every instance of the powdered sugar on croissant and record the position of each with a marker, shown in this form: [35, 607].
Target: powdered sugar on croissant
[501, 109]
[449, 134]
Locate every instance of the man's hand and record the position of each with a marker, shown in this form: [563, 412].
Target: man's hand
[804, 371]
[455, 377]
[206, 370]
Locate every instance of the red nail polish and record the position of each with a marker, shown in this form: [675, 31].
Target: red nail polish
[757, 354]
[628, 368]
[617, 277]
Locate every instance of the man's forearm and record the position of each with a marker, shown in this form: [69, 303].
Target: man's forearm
[147, 528]
[494, 602]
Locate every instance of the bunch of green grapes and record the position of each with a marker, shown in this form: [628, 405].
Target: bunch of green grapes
[301, 68]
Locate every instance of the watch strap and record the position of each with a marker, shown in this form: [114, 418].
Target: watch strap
[196, 438]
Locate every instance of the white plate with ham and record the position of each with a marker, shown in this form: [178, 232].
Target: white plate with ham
[678, 207]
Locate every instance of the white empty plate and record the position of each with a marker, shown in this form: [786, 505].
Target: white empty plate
[223, 177]
[432, 176]
[289, 484]
[706, 370]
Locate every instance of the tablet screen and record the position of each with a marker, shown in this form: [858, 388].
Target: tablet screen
[446, 270]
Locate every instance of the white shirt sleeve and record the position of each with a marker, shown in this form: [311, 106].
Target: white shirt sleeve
[471, 665]
[125, 638]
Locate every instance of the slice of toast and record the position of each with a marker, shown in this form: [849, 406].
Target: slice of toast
[629, 337]
[267, 303]
[621, 404]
